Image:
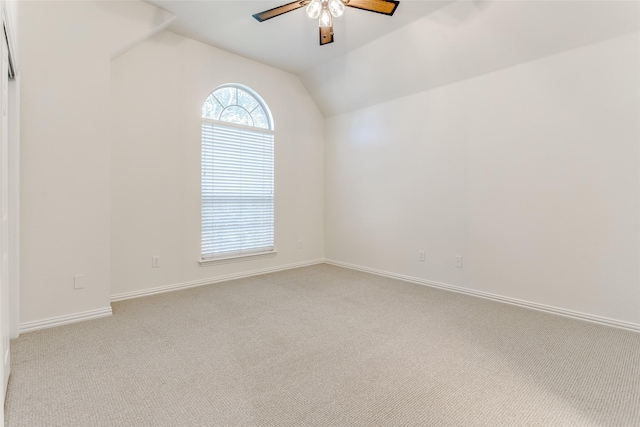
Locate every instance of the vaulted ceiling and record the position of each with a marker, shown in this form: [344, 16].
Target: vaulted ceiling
[425, 44]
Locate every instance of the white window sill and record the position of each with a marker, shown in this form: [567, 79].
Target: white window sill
[235, 258]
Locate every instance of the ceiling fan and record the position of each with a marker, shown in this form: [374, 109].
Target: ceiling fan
[326, 9]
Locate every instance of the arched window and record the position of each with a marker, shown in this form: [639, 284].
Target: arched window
[237, 174]
[237, 104]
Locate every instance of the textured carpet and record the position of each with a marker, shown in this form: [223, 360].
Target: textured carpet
[323, 345]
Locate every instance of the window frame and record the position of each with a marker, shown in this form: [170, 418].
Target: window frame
[254, 95]
[213, 260]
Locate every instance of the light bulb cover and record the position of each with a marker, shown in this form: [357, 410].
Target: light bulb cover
[313, 9]
[336, 7]
[325, 18]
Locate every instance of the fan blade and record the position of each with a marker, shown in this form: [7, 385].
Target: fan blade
[386, 7]
[277, 11]
[326, 35]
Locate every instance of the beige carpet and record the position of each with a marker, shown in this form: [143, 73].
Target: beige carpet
[321, 346]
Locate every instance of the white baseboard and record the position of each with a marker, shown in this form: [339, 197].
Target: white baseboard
[106, 311]
[65, 320]
[486, 295]
[209, 281]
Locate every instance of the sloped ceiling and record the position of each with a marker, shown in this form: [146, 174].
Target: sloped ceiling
[461, 41]
[290, 41]
[426, 43]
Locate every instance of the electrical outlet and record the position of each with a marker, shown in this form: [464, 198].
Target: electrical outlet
[421, 256]
[78, 281]
[155, 261]
[458, 262]
[299, 244]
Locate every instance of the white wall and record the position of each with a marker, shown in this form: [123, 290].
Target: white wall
[75, 214]
[530, 173]
[158, 89]
[65, 55]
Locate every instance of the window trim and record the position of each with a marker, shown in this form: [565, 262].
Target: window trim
[246, 256]
[207, 262]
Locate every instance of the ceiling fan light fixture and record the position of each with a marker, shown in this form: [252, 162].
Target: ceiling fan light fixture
[336, 7]
[325, 17]
[326, 10]
[313, 9]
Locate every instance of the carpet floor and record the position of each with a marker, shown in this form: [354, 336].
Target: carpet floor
[323, 346]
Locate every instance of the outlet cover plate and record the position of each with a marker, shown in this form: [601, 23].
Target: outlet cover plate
[78, 281]
[458, 261]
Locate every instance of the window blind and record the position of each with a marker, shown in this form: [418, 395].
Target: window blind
[237, 191]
